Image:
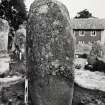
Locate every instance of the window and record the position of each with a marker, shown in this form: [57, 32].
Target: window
[81, 33]
[93, 33]
[81, 42]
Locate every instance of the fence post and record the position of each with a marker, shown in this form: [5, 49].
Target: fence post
[26, 91]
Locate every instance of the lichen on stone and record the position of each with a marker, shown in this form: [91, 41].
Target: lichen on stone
[43, 9]
[49, 54]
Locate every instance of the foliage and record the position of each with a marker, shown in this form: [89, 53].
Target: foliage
[83, 48]
[14, 11]
[97, 49]
[84, 14]
[97, 53]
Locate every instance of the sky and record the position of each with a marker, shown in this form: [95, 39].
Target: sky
[96, 7]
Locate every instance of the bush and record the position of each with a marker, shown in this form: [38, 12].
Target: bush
[83, 48]
[88, 67]
[99, 66]
[83, 56]
[78, 66]
[97, 49]
[96, 65]
[91, 59]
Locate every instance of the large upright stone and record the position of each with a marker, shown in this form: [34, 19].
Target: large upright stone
[49, 54]
[4, 29]
[4, 58]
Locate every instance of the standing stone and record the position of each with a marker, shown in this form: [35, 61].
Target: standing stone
[4, 29]
[20, 41]
[4, 57]
[20, 37]
[49, 54]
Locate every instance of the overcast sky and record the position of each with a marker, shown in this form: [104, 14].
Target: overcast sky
[96, 7]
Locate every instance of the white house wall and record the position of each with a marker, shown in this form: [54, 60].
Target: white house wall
[103, 36]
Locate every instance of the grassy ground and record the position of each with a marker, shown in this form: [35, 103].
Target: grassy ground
[12, 84]
[86, 83]
[83, 96]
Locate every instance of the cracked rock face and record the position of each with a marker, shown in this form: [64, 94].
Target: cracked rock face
[50, 53]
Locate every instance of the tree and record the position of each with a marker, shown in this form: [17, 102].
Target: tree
[14, 11]
[84, 14]
[97, 49]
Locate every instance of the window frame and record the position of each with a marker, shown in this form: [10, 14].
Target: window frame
[93, 32]
[81, 33]
[81, 42]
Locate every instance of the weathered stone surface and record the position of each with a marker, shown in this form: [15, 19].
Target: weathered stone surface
[49, 54]
[4, 29]
[20, 37]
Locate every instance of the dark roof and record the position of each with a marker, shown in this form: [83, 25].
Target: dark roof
[90, 23]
